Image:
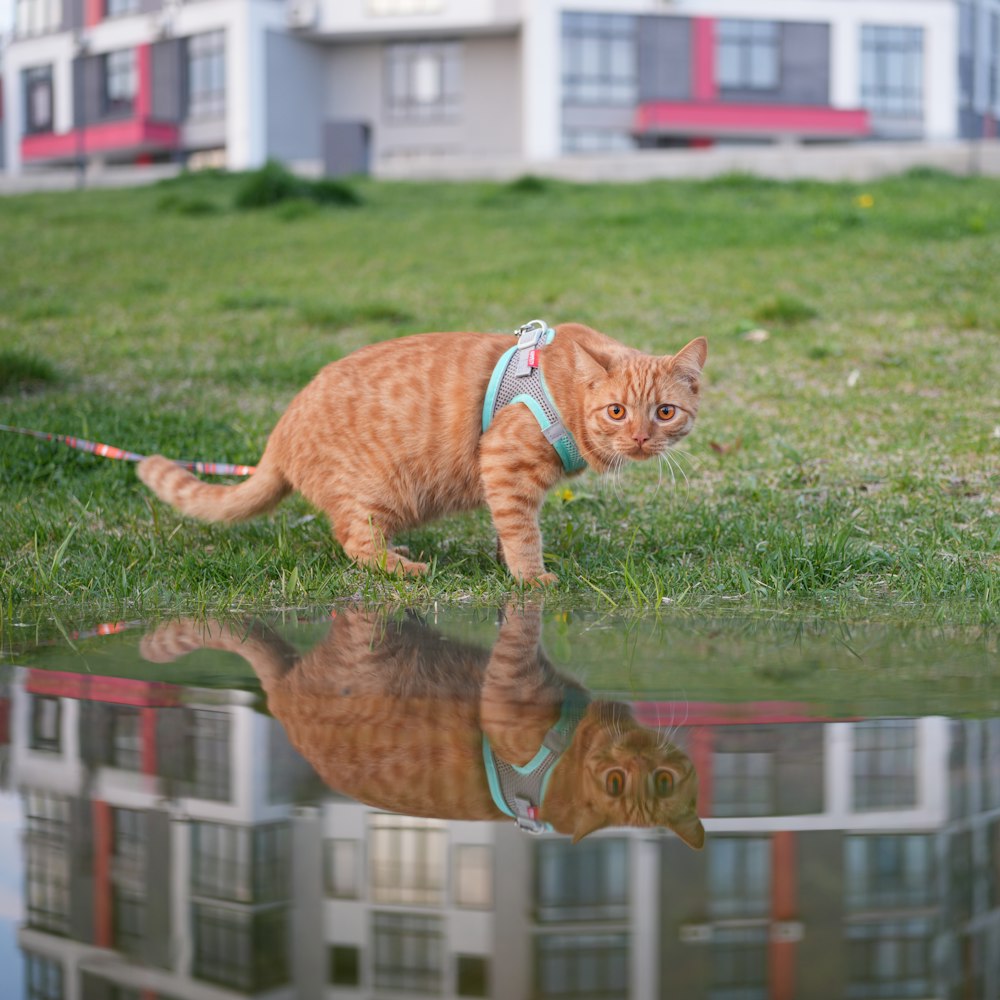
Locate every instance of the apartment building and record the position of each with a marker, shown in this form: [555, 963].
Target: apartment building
[174, 846]
[347, 85]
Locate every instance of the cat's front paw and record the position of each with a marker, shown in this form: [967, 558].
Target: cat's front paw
[542, 580]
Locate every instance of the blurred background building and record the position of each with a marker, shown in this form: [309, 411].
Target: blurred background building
[346, 86]
[174, 845]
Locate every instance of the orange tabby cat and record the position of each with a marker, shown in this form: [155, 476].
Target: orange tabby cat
[391, 437]
[394, 714]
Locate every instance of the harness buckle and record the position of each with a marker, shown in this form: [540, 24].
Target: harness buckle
[527, 816]
[531, 333]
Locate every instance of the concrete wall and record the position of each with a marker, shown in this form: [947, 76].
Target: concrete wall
[295, 97]
[487, 124]
[860, 162]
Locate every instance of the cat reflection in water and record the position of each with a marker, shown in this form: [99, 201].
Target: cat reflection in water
[397, 716]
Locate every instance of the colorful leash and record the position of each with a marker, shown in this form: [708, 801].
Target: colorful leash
[110, 451]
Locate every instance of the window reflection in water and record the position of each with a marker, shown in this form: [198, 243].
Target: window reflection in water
[183, 837]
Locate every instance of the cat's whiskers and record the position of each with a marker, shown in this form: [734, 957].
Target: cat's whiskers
[679, 452]
[674, 464]
[612, 475]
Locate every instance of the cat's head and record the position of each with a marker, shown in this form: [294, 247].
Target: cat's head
[635, 405]
[618, 773]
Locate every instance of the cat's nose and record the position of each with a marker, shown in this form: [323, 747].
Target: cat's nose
[640, 439]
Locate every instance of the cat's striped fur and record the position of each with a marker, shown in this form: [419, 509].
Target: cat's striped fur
[392, 713]
[390, 437]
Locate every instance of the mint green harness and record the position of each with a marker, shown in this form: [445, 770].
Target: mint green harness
[517, 378]
[520, 791]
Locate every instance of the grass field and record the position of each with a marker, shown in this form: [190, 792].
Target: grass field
[846, 462]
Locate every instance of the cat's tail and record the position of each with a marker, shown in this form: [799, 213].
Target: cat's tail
[207, 502]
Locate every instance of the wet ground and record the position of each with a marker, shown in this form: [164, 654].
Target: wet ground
[510, 804]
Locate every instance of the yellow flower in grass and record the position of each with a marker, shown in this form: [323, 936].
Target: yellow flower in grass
[565, 494]
[864, 201]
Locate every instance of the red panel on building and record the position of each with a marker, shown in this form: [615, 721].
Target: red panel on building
[113, 690]
[713, 118]
[139, 136]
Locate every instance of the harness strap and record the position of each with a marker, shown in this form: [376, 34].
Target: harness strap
[519, 791]
[517, 378]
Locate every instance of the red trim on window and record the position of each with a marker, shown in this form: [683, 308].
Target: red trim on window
[784, 883]
[93, 687]
[144, 81]
[93, 12]
[686, 117]
[103, 848]
[131, 134]
[703, 85]
[148, 718]
[700, 753]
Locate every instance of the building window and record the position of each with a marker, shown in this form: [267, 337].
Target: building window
[241, 949]
[47, 885]
[739, 877]
[120, 8]
[129, 826]
[120, 82]
[46, 712]
[46, 814]
[884, 764]
[993, 61]
[582, 965]
[207, 75]
[582, 881]
[128, 910]
[748, 54]
[424, 79]
[739, 958]
[43, 978]
[892, 71]
[409, 952]
[474, 876]
[407, 860]
[38, 117]
[125, 738]
[36, 17]
[340, 865]
[241, 864]
[472, 976]
[210, 739]
[599, 59]
[888, 871]
[743, 784]
[345, 965]
[966, 53]
[596, 140]
[890, 959]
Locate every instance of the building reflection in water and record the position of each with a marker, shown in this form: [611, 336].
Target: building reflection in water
[176, 846]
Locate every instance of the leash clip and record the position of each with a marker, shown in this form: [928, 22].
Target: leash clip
[529, 337]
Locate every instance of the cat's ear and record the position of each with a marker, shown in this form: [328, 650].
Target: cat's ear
[590, 364]
[587, 821]
[690, 359]
[690, 830]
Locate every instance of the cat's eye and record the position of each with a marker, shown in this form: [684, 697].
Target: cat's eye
[615, 782]
[666, 411]
[663, 783]
[616, 411]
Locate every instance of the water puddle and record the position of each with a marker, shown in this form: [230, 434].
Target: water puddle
[515, 804]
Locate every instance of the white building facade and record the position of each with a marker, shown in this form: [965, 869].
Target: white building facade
[343, 86]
